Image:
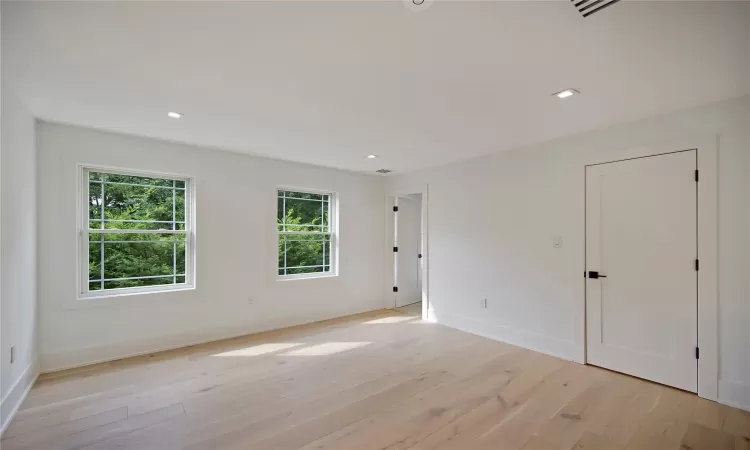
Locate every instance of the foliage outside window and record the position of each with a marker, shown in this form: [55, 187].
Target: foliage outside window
[305, 230]
[136, 234]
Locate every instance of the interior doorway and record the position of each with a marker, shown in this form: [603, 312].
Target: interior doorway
[408, 253]
[642, 267]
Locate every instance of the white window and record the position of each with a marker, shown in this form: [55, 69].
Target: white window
[136, 232]
[306, 224]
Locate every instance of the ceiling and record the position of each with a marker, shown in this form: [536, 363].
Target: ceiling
[328, 83]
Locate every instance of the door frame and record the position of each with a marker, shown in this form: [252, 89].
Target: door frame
[391, 200]
[707, 222]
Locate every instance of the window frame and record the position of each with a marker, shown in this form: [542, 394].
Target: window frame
[83, 233]
[333, 231]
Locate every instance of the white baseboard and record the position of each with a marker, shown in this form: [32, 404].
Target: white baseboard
[95, 355]
[17, 394]
[734, 394]
[532, 341]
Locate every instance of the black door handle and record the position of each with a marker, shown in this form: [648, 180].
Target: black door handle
[594, 274]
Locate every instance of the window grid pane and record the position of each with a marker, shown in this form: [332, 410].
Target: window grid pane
[304, 233]
[174, 241]
[101, 237]
[300, 211]
[304, 252]
[141, 207]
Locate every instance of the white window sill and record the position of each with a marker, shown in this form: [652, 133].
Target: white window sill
[102, 295]
[305, 277]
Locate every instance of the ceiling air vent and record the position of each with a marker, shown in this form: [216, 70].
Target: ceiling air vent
[383, 171]
[589, 7]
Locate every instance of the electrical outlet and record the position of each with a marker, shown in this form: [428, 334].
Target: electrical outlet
[12, 354]
[250, 300]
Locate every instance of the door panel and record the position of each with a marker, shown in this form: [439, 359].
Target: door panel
[409, 247]
[641, 234]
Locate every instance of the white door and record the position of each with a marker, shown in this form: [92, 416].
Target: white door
[409, 239]
[641, 234]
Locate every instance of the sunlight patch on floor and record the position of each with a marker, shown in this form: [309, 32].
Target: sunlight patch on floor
[328, 348]
[262, 349]
[392, 319]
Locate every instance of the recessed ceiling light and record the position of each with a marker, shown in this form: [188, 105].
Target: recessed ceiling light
[174, 115]
[566, 93]
[372, 156]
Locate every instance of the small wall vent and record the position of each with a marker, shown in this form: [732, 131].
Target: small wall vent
[589, 7]
[383, 171]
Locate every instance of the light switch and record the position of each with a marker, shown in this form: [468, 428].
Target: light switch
[557, 241]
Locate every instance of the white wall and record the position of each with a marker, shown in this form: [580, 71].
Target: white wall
[236, 252]
[491, 221]
[18, 303]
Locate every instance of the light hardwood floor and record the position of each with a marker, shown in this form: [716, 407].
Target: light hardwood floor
[380, 380]
[415, 309]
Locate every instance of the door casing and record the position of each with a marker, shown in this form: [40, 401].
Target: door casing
[391, 196]
[707, 163]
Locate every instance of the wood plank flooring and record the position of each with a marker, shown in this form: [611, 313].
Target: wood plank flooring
[415, 309]
[382, 380]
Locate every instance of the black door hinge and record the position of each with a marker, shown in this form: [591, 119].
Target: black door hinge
[395, 209]
[696, 175]
[697, 353]
[395, 249]
[395, 288]
[419, 256]
[697, 265]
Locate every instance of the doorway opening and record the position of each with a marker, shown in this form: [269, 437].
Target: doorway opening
[408, 254]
